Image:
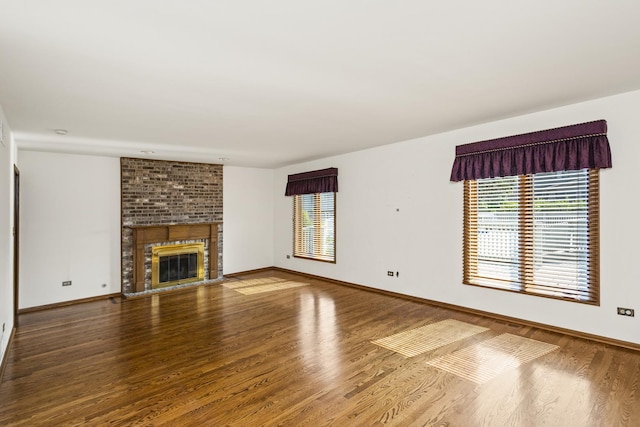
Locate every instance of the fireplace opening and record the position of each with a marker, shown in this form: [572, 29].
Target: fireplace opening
[176, 264]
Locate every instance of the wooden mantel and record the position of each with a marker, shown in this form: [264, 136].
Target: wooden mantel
[169, 233]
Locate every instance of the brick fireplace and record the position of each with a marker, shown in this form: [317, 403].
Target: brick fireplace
[168, 203]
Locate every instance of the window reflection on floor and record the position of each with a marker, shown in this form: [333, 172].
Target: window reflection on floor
[318, 334]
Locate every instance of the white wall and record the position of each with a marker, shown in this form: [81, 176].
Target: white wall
[70, 227]
[423, 240]
[69, 201]
[248, 219]
[7, 160]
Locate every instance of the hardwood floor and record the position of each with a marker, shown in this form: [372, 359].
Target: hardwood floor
[299, 355]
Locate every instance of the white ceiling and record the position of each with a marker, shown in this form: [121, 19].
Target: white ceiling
[270, 83]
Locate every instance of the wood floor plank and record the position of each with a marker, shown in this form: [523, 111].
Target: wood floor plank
[293, 356]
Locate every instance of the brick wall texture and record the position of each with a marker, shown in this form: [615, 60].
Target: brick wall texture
[156, 192]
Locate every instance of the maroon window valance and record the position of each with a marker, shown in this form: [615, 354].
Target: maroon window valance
[320, 181]
[572, 147]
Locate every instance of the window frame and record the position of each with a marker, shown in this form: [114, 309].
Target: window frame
[298, 225]
[525, 240]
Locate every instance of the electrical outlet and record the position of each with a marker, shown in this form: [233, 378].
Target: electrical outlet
[104, 285]
[288, 256]
[66, 283]
[390, 273]
[626, 311]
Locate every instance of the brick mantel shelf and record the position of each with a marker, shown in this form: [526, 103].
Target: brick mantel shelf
[143, 235]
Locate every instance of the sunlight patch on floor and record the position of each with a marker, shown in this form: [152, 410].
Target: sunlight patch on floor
[486, 360]
[426, 338]
[261, 285]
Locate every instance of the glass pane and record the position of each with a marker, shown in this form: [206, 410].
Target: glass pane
[308, 224]
[163, 269]
[327, 215]
[193, 265]
[561, 233]
[174, 268]
[498, 230]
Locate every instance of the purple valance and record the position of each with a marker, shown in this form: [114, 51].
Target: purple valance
[581, 146]
[320, 181]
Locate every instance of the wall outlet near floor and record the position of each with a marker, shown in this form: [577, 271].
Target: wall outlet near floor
[626, 311]
[390, 273]
[66, 283]
[288, 256]
[104, 285]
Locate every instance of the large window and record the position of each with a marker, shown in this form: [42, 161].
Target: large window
[314, 226]
[536, 234]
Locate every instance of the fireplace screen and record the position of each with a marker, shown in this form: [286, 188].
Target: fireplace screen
[176, 264]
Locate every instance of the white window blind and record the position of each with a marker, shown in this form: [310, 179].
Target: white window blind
[535, 233]
[314, 226]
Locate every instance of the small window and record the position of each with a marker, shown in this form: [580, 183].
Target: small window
[536, 234]
[314, 225]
